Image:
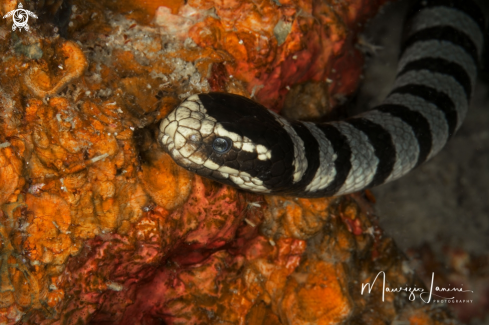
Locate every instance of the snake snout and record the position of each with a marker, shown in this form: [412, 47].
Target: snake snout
[194, 138]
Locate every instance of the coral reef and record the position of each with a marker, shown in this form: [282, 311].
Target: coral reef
[98, 225]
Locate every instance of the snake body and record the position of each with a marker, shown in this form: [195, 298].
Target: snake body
[236, 141]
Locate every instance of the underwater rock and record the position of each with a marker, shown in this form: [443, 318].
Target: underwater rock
[98, 225]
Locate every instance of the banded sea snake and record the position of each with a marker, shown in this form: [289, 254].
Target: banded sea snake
[233, 140]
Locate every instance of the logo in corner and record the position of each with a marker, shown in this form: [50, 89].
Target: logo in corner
[20, 17]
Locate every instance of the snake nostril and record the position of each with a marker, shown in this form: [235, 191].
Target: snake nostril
[222, 145]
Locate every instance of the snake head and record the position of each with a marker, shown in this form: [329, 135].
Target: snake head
[227, 138]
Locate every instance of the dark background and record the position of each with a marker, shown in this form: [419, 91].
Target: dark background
[446, 200]
[439, 213]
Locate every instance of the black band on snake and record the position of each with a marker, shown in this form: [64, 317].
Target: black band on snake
[233, 140]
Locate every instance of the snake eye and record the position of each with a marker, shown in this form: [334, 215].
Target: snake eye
[222, 145]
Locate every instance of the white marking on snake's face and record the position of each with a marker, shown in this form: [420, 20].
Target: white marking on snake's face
[211, 165]
[263, 152]
[187, 134]
[249, 147]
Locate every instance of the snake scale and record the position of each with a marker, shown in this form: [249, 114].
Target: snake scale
[236, 141]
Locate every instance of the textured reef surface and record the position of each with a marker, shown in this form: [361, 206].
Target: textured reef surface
[99, 226]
